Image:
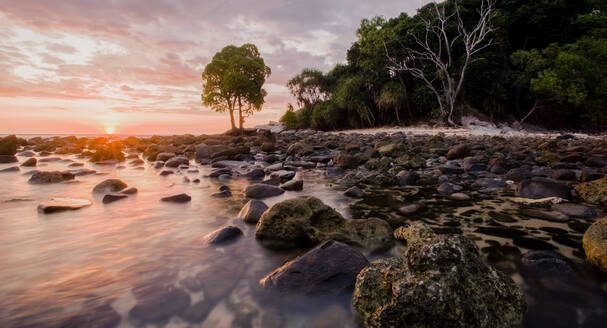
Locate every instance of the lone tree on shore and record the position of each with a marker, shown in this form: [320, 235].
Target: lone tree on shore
[234, 80]
[444, 52]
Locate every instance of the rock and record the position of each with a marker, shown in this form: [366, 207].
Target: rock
[44, 177]
[545, 263]
[345, 161]
[334, 172]
[407, 178]
[223, 236]
[293, 185]
[137, 162]
[416, 232]
[221, 171]
[8, 145]
[301, 221]
[354, 192]
[283, 175]
[164, 173]
[410, 209]
[252, 211]
[594, 192]
[255, 174]
[177, 161]
[575, 210]
[538, 188]
[82, 172]
[62, 204]
[110, 198]
[261, 190]
[488, 185]
[160, 304]
[545, 214]
[440, 281]
[4, 159]
[300, 149]
[460, 196]
[450, 169]
[329, 268]
[181, 198]
[30, 162]
[109, 186]
[129, 191]
[222, 194]
[518, 174]
[458, 152]
[563, 174]
[595, 244]
[204, 152]
[373, 235]
[532, 243]
[267, 147]
[10, 169]
[27, 153]
[163, 157]
[590, 175]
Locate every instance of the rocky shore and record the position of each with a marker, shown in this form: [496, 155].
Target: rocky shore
[439, 224]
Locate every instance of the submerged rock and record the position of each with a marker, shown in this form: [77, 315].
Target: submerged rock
[354, 192]
[252, 211]
[293, 185]
[62, 204]
[441, 282]
[10, 169]
[181, 198]
[129, 191]
[44, 177]
[261, 190]
[8, 159]
[595, 244]
[109, 186]
[575, 210]
[30, 162]
[110, 198]
[160, 304]
[329, 268]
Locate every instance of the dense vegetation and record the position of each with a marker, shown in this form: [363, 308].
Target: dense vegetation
[547, 64]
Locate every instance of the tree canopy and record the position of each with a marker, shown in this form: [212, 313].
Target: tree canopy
[545, 55]
[234, 80]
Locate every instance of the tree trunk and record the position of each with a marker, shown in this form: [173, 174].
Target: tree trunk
[240, 118]
[231, 110]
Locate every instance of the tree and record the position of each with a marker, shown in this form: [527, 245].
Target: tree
[233, 80]
[435, 58]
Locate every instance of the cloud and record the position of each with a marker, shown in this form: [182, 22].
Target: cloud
[147, 55]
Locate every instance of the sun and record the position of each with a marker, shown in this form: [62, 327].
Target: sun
[110, 129]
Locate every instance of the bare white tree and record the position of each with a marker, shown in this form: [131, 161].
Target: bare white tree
[435, 53]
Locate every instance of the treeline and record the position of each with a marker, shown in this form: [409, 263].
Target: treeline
[542, 62]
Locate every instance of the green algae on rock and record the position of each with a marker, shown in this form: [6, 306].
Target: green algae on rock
[595, 244]
[594, 191]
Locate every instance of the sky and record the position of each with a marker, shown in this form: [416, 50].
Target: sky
[87, 66]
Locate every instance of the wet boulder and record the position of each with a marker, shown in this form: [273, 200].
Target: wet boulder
[329, 268]
[63, 204]
[163, 157]
[45, 177]
[345, 161]
[407, 178]
[373, 235]
[354, 192]
[223, 236]
[595, 244]
[300, 149]
[8, 159]
[159, 304]
[110, 198]
[8, 146]
[181, 198]
[441, 281]
[458, 152]
[298, 222]
[262, 190]
[538, 188]
[30, 162]
[593, 191]
[293, 185]
[575, 210]
[177, 161]
[109, 186]
[252, 211]
[10, 169]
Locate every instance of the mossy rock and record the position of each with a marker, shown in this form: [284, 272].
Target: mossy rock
[594, 191]
[595, 244]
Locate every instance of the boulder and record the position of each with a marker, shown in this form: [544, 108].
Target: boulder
[344, 161]
[30, 162]
[261, 190]
[300, 149]
[440, 282]
[594, 192]
[109, 186]
[407, 178]
[267, 147]
[8, 159]
[329, 268]
[129, 191]
[373, 235]
[410, 209]
[293, 185]
[458, 152]
[110, 198]
[44, 177]
[8, 145]
[575, 210]
[223, 236]
[181, 198]
[254, 174]
[252, 211]
[177, 161]
[163, 157]
[354, 192]
[538, 188]
[10, 169]
[298, 222]
[62, 204]
[595, 244]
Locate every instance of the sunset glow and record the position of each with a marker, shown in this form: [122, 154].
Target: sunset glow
[110, 129]
[69, 66]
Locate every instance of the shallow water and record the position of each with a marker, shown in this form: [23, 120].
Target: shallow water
[91, 267]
